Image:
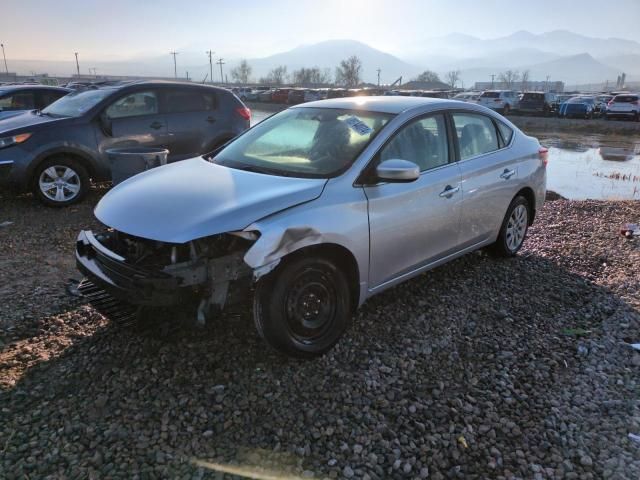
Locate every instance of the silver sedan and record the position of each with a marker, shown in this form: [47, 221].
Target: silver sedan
[316, 209]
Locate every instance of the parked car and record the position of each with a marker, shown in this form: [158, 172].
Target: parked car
[542, 103]
[502, 101]
[601, 104]
[20, 98]
[242, 93]
[295, 96]
[625, 106]
[577, 107]
[281, 95]
[469, 97]
[316, 209]
[337, 93]
[266, 95]
[55, 151]
[312, 95]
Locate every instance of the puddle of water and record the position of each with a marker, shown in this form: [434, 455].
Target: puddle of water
[582, 166]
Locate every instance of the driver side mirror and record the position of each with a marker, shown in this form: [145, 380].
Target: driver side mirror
[397, 171]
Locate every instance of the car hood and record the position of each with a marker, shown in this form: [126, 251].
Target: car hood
[194, 198]
[26, 119]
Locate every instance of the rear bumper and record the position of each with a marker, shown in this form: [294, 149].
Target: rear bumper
[124, 281]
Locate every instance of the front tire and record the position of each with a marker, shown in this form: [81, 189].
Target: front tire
[60, 181]
[513, 230]
[303, 308]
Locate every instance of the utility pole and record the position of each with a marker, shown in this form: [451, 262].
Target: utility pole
[6, 69]
[547, 84]
[378, 70]
[210, 55]
[220, 62]
[493, 76]
[175, 67]
[77, 64]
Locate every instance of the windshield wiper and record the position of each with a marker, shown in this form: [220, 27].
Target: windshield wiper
[256, 169]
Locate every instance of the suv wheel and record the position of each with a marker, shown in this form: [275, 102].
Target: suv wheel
[60, 181]
[303, 308]
[506, 109]
[513, 230]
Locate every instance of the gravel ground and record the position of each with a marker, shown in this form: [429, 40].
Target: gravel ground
[483, 368]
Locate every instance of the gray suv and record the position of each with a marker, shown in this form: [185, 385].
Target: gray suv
[56, 151]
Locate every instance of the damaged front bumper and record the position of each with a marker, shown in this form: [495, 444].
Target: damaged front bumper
[162, 274]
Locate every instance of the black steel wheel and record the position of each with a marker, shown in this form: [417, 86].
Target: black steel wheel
[303, 308]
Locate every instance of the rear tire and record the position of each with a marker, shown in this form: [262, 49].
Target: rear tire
[303, 307]
[60, 181]
[513, 230]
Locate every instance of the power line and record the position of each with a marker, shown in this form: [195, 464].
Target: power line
[220, 62]
[210, 55]
[175, 65]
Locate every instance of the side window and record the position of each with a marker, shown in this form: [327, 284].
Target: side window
[476, 134]
[48, 97]
[180, 101]
[423, 142]
[505, 132]
[18, 101]
[134, 105]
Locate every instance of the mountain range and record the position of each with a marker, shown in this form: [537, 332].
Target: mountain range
[561, 55]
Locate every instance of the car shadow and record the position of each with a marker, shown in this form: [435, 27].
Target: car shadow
[471, 355]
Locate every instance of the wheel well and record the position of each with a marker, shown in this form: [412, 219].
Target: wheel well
[527, 193]
[342, 258]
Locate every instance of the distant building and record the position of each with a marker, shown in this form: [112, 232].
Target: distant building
[532, 86]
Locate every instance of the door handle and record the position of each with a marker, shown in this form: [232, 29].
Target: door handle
[211, 119]
[156, 125]
[449, 191]
[507, 174]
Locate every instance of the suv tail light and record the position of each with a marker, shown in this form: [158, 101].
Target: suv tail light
[543, 153]
[244, 112]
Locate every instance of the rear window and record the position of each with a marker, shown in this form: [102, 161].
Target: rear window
[490, 95]
[625, 98]
[533, 96]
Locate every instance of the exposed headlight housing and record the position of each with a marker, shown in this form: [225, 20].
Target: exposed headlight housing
[14, 140]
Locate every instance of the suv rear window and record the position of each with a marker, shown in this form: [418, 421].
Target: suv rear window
[533, 96]
[491, 95]
[625, 98]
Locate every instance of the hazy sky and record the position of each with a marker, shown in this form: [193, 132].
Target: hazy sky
[121, 29]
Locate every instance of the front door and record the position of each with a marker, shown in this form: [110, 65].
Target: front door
[414, 224]
[134, 120]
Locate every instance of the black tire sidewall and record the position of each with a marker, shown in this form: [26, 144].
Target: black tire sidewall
[67, 162]
[269, 304]
[500, 247]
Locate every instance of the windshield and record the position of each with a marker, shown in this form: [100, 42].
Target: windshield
[304, 142]
[76, 103]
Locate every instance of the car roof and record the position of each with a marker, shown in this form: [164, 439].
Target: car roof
[11, 88]
[382, 104]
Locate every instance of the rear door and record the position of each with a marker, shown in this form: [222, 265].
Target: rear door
[489, 174]
[193, 121]
[133, 119]
[414, 224]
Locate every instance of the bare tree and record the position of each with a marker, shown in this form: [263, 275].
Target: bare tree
[348, 73]
[311, 76]
[452, 78]
[509, 78]
[276, 76]
[427, 76]
[524, 80]
[242, 72]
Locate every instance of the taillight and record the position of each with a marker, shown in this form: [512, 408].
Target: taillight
[634, 103]
[543, 153]
[244, 112]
